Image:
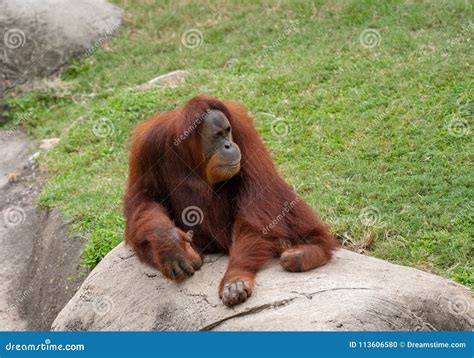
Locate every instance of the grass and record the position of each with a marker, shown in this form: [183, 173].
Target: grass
[378, 140]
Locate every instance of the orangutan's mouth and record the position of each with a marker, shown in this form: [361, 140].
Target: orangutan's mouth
[232, 166]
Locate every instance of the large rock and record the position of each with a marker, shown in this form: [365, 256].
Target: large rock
[171, 79]
[37, 37]
[353, 292]
[39, 263]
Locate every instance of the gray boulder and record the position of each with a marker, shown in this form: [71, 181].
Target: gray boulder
[38, 37]
[171, 79]
[353, 292]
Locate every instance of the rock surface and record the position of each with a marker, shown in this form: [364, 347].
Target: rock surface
[39, 263]
[15, 221]
[38, 37]
[48, 144]
[171, 79]
[353, 292]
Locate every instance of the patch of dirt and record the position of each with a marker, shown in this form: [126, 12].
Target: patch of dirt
[53, 274]
[39, 263]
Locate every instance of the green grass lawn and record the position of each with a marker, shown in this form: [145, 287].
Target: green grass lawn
[375, 135]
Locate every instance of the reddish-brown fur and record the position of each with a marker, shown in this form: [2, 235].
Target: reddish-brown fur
[164, 179]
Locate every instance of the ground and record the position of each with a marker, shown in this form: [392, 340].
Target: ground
[16, 244]
[366, 107]
[39, 261]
